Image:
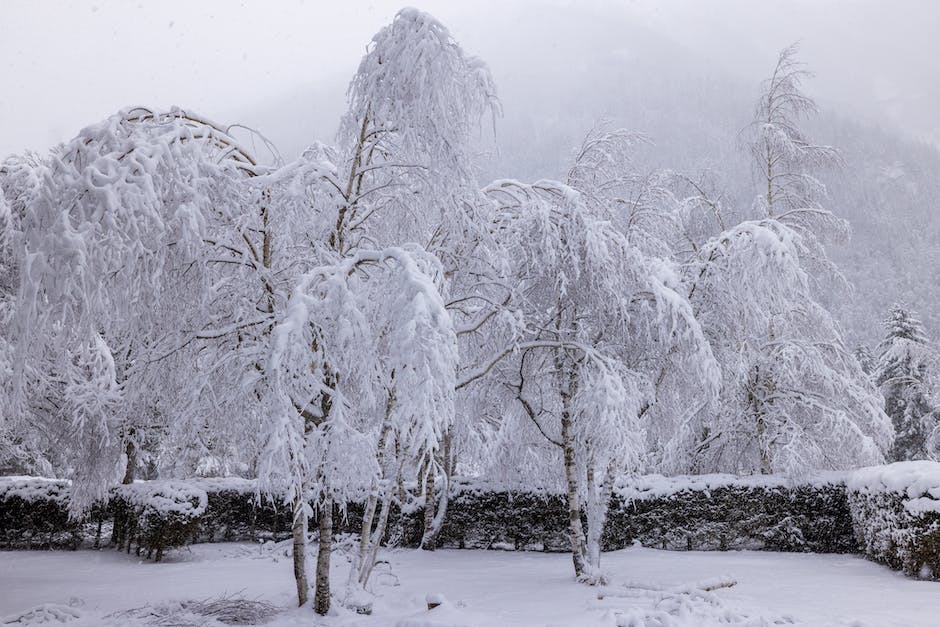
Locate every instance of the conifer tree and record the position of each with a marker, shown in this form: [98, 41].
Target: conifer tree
[904, 374]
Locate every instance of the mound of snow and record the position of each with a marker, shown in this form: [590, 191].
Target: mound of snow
[166, 497]
[45, 614]
[654, 486]
[33, 488]
[919, 481]
[445, 615]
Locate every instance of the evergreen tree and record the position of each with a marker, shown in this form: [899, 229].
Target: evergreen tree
[865, 358]
[904, 374]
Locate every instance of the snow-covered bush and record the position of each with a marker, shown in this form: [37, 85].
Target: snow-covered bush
[34, 514]
[234, 512]
[156, 515]
[706, 512]
[483, 515]
[896, 515]
[721, 512]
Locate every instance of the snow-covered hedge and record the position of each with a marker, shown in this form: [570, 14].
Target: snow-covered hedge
[721, 512]
[488, 515]
[146, 516]
[706, 512]
[234, 512]
[896, 513]
[34, 514]
[156, 515]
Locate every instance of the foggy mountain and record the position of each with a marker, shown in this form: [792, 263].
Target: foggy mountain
[555, 85]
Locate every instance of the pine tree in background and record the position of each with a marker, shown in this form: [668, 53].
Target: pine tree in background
[904, 373]
[865, 358]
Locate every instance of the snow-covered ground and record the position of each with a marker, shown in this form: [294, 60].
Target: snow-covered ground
[486, 588]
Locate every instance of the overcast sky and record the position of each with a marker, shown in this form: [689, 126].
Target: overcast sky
[65, 64]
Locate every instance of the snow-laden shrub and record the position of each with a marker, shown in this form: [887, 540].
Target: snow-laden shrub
[485, 515]
[234, 512]
[721, 512]
[896, 514]
[156, 515]
[34, 514]
[706, 512]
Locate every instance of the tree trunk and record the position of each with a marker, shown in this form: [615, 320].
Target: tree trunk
[121, 531]
[337, 239]
[399, 473]
[763, 446]
[433, 528]
[575, 529]
[371, 555]
[321, 601]
[299, 533]
[361, 559]
[130, 471]
[598, 504]
[592, 506]
[763, 387]
[426, 538]
[365, 535]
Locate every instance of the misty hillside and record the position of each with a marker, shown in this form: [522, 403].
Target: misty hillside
[556, 89]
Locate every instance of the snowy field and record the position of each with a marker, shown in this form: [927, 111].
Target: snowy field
[485, 588]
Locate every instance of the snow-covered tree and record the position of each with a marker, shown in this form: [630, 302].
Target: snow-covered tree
[591, 307]
[640, 204]
[415, 103]
[865, 358]
[905, 371]
[157, 265]
[352, 331]
[406, 141]
[793, 397]
[112, 276]
[785, 159]
[15, 450]
[404, 175]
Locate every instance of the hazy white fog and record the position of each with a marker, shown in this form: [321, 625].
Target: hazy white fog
[282, 67]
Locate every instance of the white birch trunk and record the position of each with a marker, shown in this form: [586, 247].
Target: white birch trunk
[299, 550]
[598, 504]
[426, 538]
[575, 528]
[321, 600]
[371, 556]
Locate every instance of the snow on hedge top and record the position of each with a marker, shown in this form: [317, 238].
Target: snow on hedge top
[919, 481]
[34, 488]
[226, 484]
[655, 486]
[178, 495]
[166, 497]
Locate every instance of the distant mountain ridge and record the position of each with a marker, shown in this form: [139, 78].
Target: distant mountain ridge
[554, 90]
